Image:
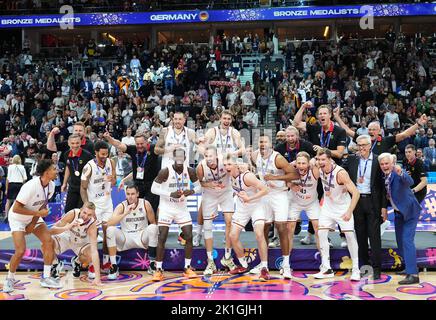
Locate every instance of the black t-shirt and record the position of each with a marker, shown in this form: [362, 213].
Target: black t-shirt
[382, 144]
[416, 170]
[87, 145]
[290, 155]
[76, 164]
[151, 164]
[331, 139]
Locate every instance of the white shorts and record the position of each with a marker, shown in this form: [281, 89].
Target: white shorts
[276, 206]
[132, 240]
[19, 222]
[103, 214]
[168, 214]
[329, 219]
[212, 203]
[63, 243]
[312, 211]
[245, 212]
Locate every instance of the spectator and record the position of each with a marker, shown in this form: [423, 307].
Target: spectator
[15, 178]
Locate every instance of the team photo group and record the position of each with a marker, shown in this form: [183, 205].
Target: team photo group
[250, 177]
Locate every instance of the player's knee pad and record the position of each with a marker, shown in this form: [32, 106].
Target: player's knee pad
[153, 232]
[207, 229]
[110, 236]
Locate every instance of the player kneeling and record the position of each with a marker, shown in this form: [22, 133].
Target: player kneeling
[138, 229]
[77, 230]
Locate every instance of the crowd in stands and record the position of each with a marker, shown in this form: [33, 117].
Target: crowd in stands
[369, 81]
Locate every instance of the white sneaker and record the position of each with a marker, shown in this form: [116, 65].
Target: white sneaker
[384, 226]
[256, 269]
[324, 274]
[307, 240]
[210, 268]
[8, 285]
[286, 272]
[344, 244]
[355, 275]
[275, 242]
[50, 283]
[197, 240]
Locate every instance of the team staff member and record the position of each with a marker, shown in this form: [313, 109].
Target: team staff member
[416, 169]
[366, 174]
[79, 129]
[145, 165]
[76, 158]
[381, 144]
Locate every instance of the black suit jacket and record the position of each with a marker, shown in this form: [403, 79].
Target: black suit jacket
[378, 189]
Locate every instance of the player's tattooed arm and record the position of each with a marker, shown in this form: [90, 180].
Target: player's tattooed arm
[85, 182]
[291, 172]
[159, 149]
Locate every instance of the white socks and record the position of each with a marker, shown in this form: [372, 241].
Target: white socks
[285, 263]
[199, 228]
[209, 256]
[353, 248]
[113, 259]
[228, 253]
[158, 264]
[47, 269]
[11, 275]
[264, 264]
[324, 247]
[243, 262]
[187, 262]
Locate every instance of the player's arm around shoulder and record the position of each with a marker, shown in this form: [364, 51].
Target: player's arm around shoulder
[84, 181]
[291, 172]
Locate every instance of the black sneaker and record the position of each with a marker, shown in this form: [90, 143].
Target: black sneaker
[152, 267]
[113, 272]
[56, 269]
[76, 267]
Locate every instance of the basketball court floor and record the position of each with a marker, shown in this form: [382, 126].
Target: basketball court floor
[137, 284]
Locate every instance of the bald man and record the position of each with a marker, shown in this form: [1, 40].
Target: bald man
[280, 137]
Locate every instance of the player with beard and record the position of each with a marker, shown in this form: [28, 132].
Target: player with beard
[273, 170]
[173, 186]
[217, 192]
[227, 140]
[249, 205]
[338, 209]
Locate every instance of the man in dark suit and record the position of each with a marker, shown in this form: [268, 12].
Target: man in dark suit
[365, 172]
[407, 210]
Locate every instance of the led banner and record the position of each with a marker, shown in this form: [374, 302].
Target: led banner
[66, 21]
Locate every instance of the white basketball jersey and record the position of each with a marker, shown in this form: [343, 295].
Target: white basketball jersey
[174, 183]
[79, 234]
[99, 190]
[172, 138]
[224, 143]
[308, 192]
[136, 220]
[339, 199]
[268, 166]
[34, 196]
[219, 174]
[238, 185]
